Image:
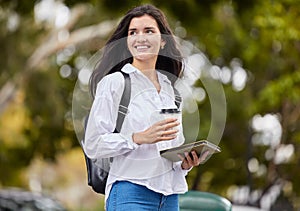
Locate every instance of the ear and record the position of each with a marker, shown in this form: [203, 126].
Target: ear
[162, 44]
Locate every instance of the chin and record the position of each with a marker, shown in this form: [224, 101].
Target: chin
[146, 56]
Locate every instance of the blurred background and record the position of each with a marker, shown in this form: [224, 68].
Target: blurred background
[252, 48]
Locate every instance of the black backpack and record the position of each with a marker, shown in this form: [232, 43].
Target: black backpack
[97, 170]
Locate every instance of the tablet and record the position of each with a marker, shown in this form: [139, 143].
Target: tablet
[199, 146]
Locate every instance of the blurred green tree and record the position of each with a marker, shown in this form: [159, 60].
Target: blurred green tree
[41, 57]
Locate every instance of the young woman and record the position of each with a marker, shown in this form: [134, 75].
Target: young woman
[139, 179]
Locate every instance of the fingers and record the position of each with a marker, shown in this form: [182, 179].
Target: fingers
[167, 135]
[167, 121]
[195, 158]
[182, 158]
[198, 160]
[184, 164]
[169, 132]
[171, 125]
[191, 159]
[166, 130]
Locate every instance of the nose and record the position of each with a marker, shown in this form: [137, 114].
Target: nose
[141, 38]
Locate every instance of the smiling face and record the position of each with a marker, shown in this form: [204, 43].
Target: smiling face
[144, 39]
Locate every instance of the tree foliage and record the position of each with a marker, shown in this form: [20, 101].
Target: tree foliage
[261, 37]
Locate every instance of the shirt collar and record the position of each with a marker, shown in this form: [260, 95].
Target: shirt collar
[129, 68]
[162, 77]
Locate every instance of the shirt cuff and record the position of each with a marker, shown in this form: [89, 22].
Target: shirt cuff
[177, 167]
[131, 143]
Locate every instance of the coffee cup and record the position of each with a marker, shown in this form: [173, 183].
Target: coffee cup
[171, 113]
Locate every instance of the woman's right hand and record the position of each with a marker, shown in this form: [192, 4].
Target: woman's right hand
[160, 131]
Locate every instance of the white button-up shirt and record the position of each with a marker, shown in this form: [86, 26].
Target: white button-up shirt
[140, 164]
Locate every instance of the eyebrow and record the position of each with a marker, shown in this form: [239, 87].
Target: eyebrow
[146, 28]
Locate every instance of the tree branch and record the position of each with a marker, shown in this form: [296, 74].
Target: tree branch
[52, 45]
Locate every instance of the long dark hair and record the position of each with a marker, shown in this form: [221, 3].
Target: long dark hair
[116, 54]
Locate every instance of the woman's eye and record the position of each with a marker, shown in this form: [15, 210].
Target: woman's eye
[149, 32]
[132, 33]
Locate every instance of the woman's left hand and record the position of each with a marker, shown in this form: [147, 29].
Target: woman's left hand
[191, 159]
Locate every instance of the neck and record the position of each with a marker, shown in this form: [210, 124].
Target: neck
[147, 68]
[144, 66]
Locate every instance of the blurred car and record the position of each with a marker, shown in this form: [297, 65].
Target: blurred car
[18, 200]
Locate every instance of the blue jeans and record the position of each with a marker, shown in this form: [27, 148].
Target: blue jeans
[126, 196]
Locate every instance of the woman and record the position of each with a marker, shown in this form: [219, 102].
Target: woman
[139, 179]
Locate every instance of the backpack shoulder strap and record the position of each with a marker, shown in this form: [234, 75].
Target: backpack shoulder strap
[178, 98]
[123, 106]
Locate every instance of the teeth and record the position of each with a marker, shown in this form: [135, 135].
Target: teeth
[141, 47]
